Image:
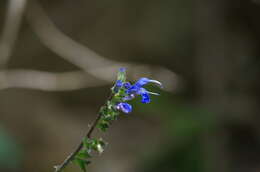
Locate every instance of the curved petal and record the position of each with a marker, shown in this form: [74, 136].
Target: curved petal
[143, 81]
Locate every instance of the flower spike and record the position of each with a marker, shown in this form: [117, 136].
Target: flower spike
[122, 91]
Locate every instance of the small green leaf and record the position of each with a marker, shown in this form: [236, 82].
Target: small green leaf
[84, 154]
[103, 110]
[103, 125]
[81, 163]
[87, 143]
[107, 117]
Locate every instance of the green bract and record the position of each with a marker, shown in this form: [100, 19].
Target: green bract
[82, 158]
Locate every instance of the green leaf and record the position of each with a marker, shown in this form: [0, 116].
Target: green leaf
[103, 125]
[87, 143]
[122, 92]
[84, 154]
[81, 163]
[103, 110]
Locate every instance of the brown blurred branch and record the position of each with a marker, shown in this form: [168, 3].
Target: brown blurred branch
[91, 63]
[47, 81]
[12, 24]
[68, 81]
[67, 48]
[81, 56]
[60, 43]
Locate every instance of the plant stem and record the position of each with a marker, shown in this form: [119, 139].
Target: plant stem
[60, 167]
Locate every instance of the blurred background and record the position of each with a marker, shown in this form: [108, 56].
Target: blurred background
[58, 60]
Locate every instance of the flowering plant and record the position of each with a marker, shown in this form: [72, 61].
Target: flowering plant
[121, 92]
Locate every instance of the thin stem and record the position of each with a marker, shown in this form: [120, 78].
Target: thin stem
[59, 168]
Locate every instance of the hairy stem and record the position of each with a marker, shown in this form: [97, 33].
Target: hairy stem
[60, 167]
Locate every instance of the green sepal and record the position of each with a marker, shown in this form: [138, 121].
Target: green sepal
[81, 163]
[83, 154]
[98, 145]
[87, 143]
[121, 75]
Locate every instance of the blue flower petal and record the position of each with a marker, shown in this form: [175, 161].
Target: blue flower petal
[145, 98]
[145, 95]
[141, 91]
[118, 85]
[141, 82]
[133, 89]
[127, 85]
[124, 107]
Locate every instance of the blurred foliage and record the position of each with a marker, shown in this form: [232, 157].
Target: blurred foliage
[10, 154]
[184, 125]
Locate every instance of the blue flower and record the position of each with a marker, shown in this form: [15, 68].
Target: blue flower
[117, 85]
[124, 107]
[129, 91]
[127, 85]
[137, 89]
[122, 69]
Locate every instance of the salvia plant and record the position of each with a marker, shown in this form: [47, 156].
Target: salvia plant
[121, 93]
